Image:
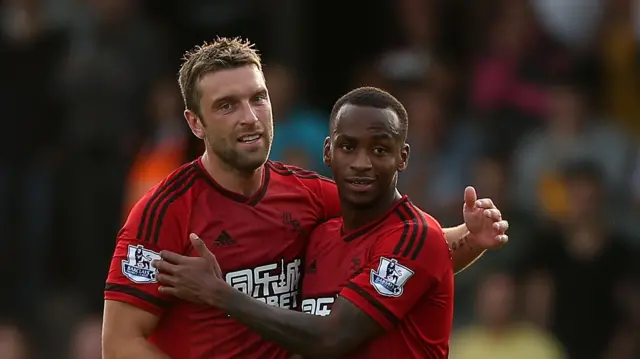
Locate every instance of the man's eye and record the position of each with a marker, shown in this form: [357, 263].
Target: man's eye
[260, 98]
[379, 150]
[346, 148]
[225, 106]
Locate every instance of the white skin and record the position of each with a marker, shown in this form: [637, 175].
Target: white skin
[234, 103]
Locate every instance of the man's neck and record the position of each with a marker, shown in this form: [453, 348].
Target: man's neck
[354, 217]
[244, 183]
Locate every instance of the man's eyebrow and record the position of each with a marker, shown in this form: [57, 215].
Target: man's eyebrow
[383, 136]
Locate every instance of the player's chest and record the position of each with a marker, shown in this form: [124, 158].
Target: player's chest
[249, 233]
[328, 270]
[259, 248]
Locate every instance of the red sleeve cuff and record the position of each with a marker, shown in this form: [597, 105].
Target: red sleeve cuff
[370, 305]
[135, 297]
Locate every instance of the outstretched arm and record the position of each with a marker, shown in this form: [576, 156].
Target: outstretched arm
[309, 335]
[463, 254]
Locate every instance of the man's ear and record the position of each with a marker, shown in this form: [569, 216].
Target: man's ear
[404, 157]
[195, 124]
[326, 152]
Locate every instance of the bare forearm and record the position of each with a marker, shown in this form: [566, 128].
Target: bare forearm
[456, 233]
[133, 349]
[298, 332]
[464, 254]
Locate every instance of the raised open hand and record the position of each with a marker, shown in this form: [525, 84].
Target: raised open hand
[484, 221]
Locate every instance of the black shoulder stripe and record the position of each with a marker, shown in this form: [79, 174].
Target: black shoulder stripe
[413, 235]
[415, 230]
[147, 217]
[392, 318]
[405, 231]
[175, 194]
[153, 213]
[152, 218]
[135, 292]
[283, 170]
[421, 222]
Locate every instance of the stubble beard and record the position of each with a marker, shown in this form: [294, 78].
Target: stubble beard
[241, 161]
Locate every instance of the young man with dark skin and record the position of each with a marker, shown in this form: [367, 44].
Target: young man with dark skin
[386, 283]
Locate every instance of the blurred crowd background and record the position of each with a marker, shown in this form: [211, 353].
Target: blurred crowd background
[534, 102]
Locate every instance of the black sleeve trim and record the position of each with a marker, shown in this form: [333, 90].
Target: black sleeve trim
[135, 292]
[374, 302]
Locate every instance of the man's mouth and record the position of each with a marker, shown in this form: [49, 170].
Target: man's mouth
[360, 181]
[251, 138]
[360, 184]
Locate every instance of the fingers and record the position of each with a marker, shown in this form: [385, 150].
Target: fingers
[502, 239]
[470, 196]
[501, 226]
[200, 247]
[216, 267]
[167, 279]
[168, 291]
[485, 203]
[164, 266]
[173, 257]
[493, 214]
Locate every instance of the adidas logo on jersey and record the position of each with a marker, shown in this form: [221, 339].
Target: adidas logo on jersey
[224, 240]
[312, 267]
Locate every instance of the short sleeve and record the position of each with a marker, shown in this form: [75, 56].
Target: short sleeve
[147, 231]
[405, 264]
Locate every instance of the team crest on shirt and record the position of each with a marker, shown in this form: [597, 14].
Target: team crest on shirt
[390, 277]
[137, 267]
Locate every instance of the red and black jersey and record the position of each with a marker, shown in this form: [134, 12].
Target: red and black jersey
[258, 240]
[397, 269]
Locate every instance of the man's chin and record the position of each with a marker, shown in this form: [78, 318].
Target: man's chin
[251, 162]
[359, 200]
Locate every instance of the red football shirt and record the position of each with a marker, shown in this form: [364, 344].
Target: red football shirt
[259, 242]
[397, 269]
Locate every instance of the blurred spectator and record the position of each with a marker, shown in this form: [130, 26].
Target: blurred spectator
[86, 342]
[498, 334]
[620, 46]
[411, 57]
[571, 133]
[507, 92]
[12, 343]
[507, 75]
[585, 261]
[300, 130]
[116, 55]
[29, 148]
[572, 22]
[625, 344]
[166, 147]
[441, 154]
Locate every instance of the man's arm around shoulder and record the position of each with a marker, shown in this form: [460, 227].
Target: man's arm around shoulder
[310, 336]
[125, 331]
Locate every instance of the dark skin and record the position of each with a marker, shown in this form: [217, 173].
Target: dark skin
[366, 151]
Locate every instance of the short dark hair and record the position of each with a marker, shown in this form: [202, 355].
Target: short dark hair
[372, 97]
[223, 53]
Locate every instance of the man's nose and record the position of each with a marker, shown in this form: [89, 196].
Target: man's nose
[361, 162]
[249, 115]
